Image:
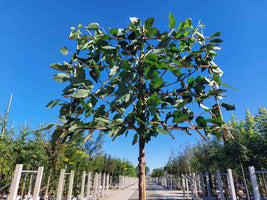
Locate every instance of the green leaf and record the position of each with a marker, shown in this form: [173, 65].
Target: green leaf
[152, 32]
[64, 50]
[226, 85]
[216, 40]
[59, 67]
[204, 107]
[80, 26]
[113, 70]
[149, 22]
[156, 82]
[80, 72]
[95, 73]
[113, 31]
[158, 52]
[76, 81]
[47, 127]
[84, 105]
[161, 130]
[100, 111]
[228, 106]
[51, 104]
[181, 27]
[135, 21]
[81, 93]
[216, 34]
[55, 136]
[179, 117]
[216, 91]
[154, 100]
[188, 22]
[164, 43]
[200, 36]
[92, 26]
[108, 48]
[171, 21]
[201, 122]
[152, 57]
[61, 77]
[118, 121]
[218, 121]
[191, 82]
[100, 119]
[135, 139]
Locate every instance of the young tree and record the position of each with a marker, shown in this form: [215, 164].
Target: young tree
[139, 78]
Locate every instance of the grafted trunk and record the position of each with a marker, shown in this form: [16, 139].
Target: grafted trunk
[141, 165]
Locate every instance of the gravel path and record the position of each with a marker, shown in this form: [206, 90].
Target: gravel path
[123, 194]
[156, 192]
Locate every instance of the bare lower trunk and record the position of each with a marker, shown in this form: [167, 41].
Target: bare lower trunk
[141, 165]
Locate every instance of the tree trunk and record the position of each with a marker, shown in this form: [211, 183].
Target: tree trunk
[244, 179]
[47, 186]
[141, 165]
[23, 187]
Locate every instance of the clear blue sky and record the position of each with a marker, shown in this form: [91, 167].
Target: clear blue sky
[33, 31]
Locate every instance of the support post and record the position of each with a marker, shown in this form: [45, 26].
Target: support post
[70, 185]
[208, 184]
[60, 184]
[187, 188]
[171, 182]
[202, 185]
[219, 180]
[183, 183]
[13, 190]
[95, 186]
[103, 185]
[231, 184]
[255, 186]
[88, 185]
[30, 187]
[195, 185]
[83, 184]
[107, 184]
[98, 185]
[38, 183]
[110, 181]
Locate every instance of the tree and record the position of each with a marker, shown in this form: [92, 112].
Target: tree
[157, 172]
[138, 78]
[147, 170]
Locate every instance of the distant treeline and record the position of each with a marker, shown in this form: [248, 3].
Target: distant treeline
[248, 148]
[33, 148]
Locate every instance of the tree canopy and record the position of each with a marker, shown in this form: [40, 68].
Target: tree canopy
[142, 79]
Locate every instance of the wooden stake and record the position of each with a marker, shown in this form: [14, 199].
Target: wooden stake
[219, 180]
[83, 184]
[255, 186]
[38, 183]
[70, 185]
[231, 184]
[60, 184]
[13, 190]
[88, 185]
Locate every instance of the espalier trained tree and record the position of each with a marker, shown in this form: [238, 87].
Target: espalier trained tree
[139, 78]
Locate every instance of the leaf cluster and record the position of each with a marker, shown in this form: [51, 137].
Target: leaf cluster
[139, 78]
